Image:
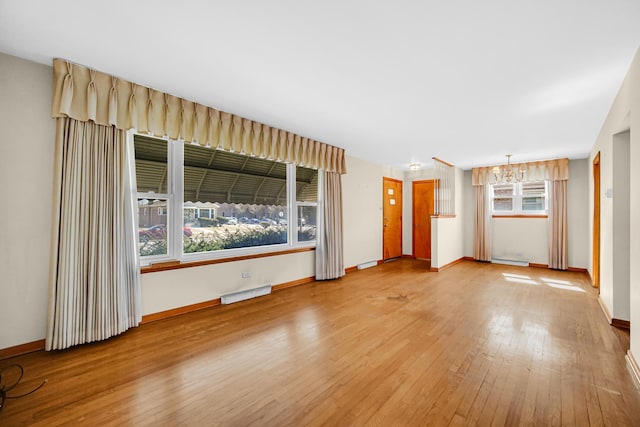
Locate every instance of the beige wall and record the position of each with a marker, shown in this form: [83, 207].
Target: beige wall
[525, 239]
[624, 115]
[362, 212]
[578, 213]
[447, 234]
[26, 171]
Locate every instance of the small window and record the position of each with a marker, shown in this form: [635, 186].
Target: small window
[503, 195]
[527, 198]
[151, 158]
[306, 203]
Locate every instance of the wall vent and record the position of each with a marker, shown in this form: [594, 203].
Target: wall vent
[510, 262]
[247, 294]
[367, 265]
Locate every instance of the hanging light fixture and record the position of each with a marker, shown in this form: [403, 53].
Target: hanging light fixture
[508, 174]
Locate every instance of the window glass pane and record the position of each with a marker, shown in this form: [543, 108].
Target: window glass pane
[232, 200]
[307, 221]
[151, 164]
[503, 190]
[306, 184]
[504, 204]
[533, 188]
[152, 227]
[533, 203]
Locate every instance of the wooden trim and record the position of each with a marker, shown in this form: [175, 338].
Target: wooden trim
[621, 324]
[605, 310]
[21, 349]
[443, 216]
[468, 258]
[380, 261]
[578, 270]
[443, 162]
[633, 367]
[520, 216]
[451, 264]
[293, 283]
[180, 310]
[534, 265]
[408, 256]
[391, 179]
[351, 269]
[175, 265]
[214, 302]
[595, 243]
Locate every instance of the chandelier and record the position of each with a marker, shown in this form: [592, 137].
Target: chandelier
[508, 173]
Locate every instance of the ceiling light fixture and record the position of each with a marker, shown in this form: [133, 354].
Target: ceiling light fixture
[508, 173]
[414, 166]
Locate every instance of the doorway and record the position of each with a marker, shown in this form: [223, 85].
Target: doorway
[391, 218]
[423, 209]
[596, 224]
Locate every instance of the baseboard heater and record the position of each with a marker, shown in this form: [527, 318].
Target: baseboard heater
[367, 265]
[247, 294]
[510, 262]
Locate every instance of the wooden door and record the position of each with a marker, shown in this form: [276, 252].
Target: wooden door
[595, 270]
[391, 218]
[422, 197]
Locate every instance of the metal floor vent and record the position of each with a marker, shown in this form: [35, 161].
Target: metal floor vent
[510, 262]
[367, 265]
[247, 294]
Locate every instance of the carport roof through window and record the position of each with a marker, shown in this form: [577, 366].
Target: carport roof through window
[218, 176]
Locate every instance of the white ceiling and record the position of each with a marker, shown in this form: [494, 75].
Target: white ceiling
[392, 82]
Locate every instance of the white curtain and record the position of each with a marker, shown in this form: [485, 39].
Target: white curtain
[329, 242]
[482, 224]
[558, 235]
[94, 283]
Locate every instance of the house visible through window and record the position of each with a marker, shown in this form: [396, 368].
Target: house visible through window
[523, 198]
[211, 202]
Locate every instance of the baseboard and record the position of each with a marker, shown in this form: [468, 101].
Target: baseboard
[451, 264]
[293, 283]
[179, 310]
[633, 367]
[578, 270]
[605, 310]
[351, 269]
[622, 324]
[468, 258]
[18, 350]
[534, 265]
[408, 256]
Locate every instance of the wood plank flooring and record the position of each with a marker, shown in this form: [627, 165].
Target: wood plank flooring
[476, 344]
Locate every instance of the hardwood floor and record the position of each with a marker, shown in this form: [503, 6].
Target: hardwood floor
[476, 344]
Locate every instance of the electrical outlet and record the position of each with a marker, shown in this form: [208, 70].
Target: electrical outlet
[246, 274]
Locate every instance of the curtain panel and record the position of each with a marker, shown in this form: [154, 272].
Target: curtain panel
[482, 224]
[94, 286]
[558, 226]
[85, 94]
[548, 170]
[329, 244]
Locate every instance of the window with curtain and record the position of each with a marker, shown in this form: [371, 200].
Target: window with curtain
[522, 198]
[218, 203]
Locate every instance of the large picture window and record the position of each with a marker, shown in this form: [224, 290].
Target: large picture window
[523, 198]
[217, 203]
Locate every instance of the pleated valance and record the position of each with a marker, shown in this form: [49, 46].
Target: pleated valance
[88, 95]
[547, 170]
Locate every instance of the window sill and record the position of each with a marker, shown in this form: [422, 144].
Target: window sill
[521, 216]
[176, 265]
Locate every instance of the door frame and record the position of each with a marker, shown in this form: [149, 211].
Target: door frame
[413, 214]
[595, 248]
[400, 182]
